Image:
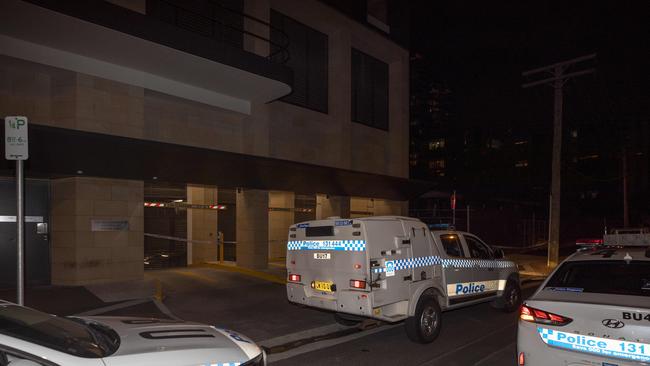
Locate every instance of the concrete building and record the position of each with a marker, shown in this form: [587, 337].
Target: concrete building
[155, 125]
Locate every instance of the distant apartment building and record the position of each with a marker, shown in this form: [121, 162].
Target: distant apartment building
[159, 128]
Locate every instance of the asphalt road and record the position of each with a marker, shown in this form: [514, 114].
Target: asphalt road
[478, 335]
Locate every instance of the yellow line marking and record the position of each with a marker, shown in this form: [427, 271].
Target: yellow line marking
[249, 272]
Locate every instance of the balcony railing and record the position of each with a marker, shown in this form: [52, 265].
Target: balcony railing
[219, 22]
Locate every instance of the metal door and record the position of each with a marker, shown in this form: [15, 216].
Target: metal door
[37, 238]
[486, 276]
[422, 263]
[458, 273]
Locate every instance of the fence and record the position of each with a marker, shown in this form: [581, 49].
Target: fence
[497, 226]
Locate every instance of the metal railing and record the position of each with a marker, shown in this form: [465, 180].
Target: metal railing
[211, 26]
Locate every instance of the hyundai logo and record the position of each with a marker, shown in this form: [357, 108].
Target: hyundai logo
[613, 323]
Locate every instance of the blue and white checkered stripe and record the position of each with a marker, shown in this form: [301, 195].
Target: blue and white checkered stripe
[435, 260]
[222, 364]
[343, 245]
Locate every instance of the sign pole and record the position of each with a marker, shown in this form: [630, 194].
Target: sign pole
[17, 148]
[20, 230]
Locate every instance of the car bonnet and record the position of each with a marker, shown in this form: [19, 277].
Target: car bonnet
[146, 336]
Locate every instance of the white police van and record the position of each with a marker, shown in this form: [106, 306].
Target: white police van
[393, 269]
[594, 309]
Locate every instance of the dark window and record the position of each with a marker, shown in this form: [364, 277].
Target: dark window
[369, 90]
[603, 277]
[477, 249]
[451, 243]
[307, 58]
[319, 231]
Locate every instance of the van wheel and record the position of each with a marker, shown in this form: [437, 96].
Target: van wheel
[424, 326]
[345, 320]
[511, 298]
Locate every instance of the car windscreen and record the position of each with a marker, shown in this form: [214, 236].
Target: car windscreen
[53, 332]
[603, 277]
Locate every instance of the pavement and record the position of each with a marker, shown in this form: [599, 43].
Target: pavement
[254, 303]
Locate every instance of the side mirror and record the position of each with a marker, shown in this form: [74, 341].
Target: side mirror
[498, 253]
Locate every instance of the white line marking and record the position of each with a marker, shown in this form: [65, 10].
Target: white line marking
[328, 343]
[106, 309]
[314, 332]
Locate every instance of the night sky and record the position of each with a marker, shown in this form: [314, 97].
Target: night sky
[479, 49]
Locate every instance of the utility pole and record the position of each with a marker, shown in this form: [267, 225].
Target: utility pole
[558, 76]
[626, 212]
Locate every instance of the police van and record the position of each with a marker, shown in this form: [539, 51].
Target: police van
[393, 269]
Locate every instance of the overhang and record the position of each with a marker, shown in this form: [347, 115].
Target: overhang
[56, 152]
[105, 40]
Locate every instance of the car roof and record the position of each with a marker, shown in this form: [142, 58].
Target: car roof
[610, 253]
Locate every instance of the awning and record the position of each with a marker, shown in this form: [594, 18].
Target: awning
[57, 152]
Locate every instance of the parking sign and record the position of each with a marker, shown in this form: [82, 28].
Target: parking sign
[16, 143]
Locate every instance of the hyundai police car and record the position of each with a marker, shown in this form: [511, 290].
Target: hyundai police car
[594, 309]
[32, 338]
[393, 269]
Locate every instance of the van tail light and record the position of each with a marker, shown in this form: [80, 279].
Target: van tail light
[294, 278]
[358, 284]
[533, 315]
[521, 359]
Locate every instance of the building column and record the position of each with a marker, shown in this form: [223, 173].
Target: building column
[201, 225]
[97, 230]
[252, 228]
[328, 206]
[281, 216]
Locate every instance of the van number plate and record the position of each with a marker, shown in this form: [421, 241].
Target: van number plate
[322, 256]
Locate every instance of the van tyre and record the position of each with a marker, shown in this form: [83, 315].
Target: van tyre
[511, 298]
[345, 320]
[424, 326]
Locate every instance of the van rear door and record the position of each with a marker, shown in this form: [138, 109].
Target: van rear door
[390, 255]
[328, 255]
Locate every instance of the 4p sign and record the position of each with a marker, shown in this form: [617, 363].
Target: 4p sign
[16, 143]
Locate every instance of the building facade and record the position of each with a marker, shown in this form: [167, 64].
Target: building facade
[159, 128]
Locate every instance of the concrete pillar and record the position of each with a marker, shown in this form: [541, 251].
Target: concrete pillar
[281, 216]
[112, 250]
[252, 228]
[328, 206]
[201, 225]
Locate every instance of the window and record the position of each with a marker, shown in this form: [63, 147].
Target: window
[437, 164]
[308, 55]
[369, 90]
[477, 249]
[603, 277]
[72, 336]
[437, 144]
[451, 243]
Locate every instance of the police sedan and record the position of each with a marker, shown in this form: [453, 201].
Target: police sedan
[594, 309]
[32, 338]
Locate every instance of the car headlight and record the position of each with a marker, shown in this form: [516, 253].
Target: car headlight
[257, 361]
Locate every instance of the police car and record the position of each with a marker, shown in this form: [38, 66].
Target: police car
[594, 309]
[32, 338]
[394, 269]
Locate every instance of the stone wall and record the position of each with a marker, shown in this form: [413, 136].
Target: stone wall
[81, 255]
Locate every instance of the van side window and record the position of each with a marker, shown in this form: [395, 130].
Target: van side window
[452, 246]
[477, 249]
